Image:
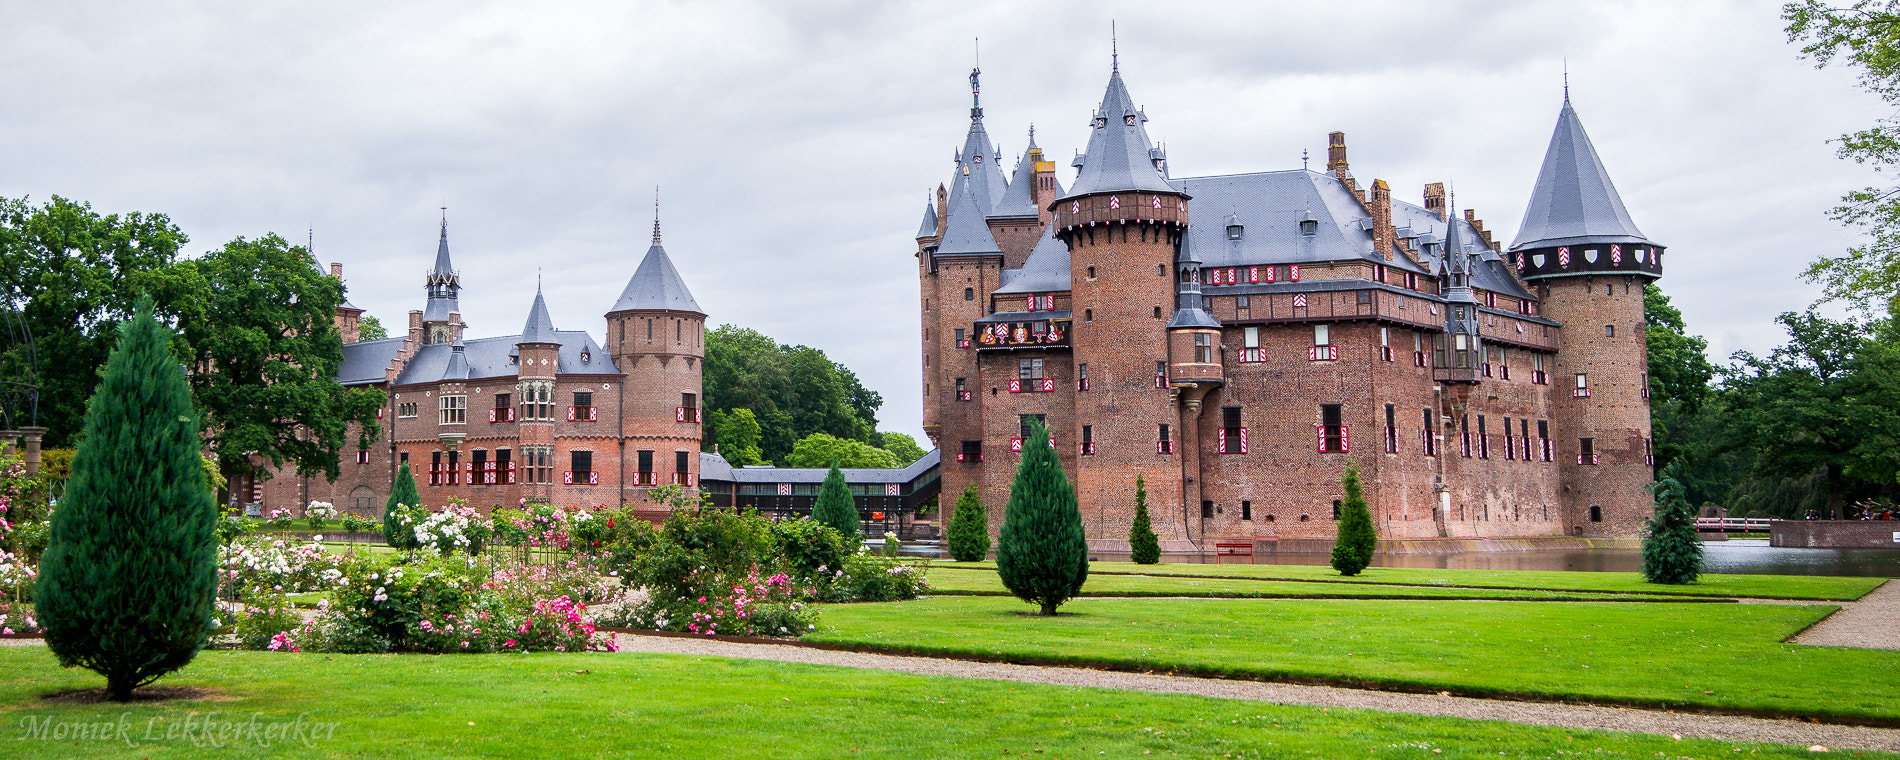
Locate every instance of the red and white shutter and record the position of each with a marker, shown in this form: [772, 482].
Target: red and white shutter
[570, 414]
[1048, 385]
[1320, 431]
[567, 478]
[1293, 273]
[890, 489]
[1015, 385]
[511, 471]
[1220, 440]
[1243, 440]
[1345, 439]
[1253, 274]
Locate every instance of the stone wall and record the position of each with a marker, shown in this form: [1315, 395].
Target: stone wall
[1835, 534]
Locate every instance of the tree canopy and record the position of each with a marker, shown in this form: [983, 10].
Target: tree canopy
[793, 391]
[821, 450]
[370, 328]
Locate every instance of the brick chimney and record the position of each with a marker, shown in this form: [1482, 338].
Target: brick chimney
[1380, 206]
[1435, 199]
[1336, 160]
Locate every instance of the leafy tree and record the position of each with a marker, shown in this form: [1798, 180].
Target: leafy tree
[820, 449]
[370, 328]
[902, 446]
[793, 391]
[1671, 552]
[75, 275]
[1042, 555]
[1826, 405]
[968, 534]
[1143, 546]
[737, 436]
[1355, 539]
[835, 508]
[1864, 35]
[129, 577]
[402, 498]
[260, 324]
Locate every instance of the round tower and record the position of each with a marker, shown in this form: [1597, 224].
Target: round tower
[1590, 264]
[1123, 224]
[656, 334]
[537, 357]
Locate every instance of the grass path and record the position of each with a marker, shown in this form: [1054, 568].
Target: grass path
[1759, 586]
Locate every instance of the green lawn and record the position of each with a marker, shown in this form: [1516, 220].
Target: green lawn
[1761, 586]
[598, 705]
[1717, 655]
[960, 581]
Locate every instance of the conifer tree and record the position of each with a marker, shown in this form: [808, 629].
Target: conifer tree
[835, 506]
[1355, 539]
[968, 534]
[129, 578]
[403, 494]
[1671, 551]
[1042, 554]
[1143, 547]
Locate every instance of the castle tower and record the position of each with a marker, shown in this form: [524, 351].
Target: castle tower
[1017, 221]
[537, 362]
[656, 334]
[1194, 371]
[442, 316]
[1123, 223]
[1590, 264]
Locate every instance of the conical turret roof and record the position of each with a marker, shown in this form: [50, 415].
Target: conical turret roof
[1020, 199]
[444, 285]
[1574, 201]
[1119, 157]
[965, 232]
[540, 327]
[458, 361]
[656, 285]
[928, 228]
[977, 167]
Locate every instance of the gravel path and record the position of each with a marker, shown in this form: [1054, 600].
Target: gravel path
[1872, 623]
[1567, 716]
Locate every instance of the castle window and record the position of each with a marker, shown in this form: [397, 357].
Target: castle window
[1161, 373]
[972, 451]
[1203, 348]
[1232, 438]
[1023, 421]
[1484, 440]
[581, 469]
[962, 342]
[682, 470]
[1543, 440]
[1243, 303]
[435, 468]
[1464, 435]
[1234, 231]
[1333, 433]
[454, 410]
[1250, 337]
[649, 329]
[1322, 335]
[1596, 513]
[689, 408]
[1207, 509]
[1645, 378]
[454, 469]
[1088, 315]
[583, 405]
[362, 456]
[1309, 227]
[1157, 312]
[1510, 446]
[1586, 451]
[962, 393]
[1028, 369]
[441, 336]
[504, 469]
[1431, 434]
[1088, 440]
[1161, 270]
[1246, 509]
[478, 462]
[406, 410]
[1336, 506]
[1385, 344]
[643, 473]
[1082, 376]
[1091, 273]
[1391, 430]
[1583, 386]
[1164, 444]
[1609, 331]
[504, 410]
[1524, 433]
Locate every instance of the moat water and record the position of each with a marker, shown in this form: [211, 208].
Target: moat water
[1743, 556]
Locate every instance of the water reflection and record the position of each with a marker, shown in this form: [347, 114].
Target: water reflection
[1742, 556]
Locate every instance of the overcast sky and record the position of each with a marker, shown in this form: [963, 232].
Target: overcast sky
[795, 142]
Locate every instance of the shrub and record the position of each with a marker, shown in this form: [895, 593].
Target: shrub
[354, 524]
[1355, 539]
[870, 578]
[317, 512]
[266, 620]
[1671, 551]
[835, 507]
[968, 533]
[402, 494]
[455, 528]
[1143, 547]
[128, 580]
[806, 545]
[1043, 556]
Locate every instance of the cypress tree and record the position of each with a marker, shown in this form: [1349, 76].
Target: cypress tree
[835, 506]
[403, 494]
[129, 579]
[1143, 547]
[1355, 538]
[1043, 556]
[1671, 551]
[968, 534]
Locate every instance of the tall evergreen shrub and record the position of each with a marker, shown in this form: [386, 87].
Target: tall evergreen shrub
[968, 533]
[1671, 551]
[1355, 538]
[1143, 547]
[403, 494]
[835, 507]
[1042, 554]
[129, 578]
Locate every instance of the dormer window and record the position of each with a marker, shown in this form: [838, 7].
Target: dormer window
[1308, 227]
[1129, 119]
[584, 356]
[1101, 121]
[1234, 231]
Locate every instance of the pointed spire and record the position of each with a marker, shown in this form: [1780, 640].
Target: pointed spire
[656, 285]
[976, 88]
[656, 214]
[979, 162]
[1114, 48]
[1189, 304]
[1574, 200]
[442, 265]
[1020, 199]
[444, 285]
[928, 228]
[1120, 156]
[965, 232]
[458, 361]
[540, 327]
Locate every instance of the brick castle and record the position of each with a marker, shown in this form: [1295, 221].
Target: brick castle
[1237, 340]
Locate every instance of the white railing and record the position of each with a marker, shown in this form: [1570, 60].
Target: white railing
[1749, 524]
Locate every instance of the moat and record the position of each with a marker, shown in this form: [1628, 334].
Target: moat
[1742, 556]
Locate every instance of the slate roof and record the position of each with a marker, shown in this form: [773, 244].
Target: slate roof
[1045, 271]
[443, 273]
[656, 285]
[1119, 156]
[1488, 271]
[364, 362]
[980, 169]
[540, 327]
[1188, 301]
[488, 358]
[1269, 207]
[966, 232]
[928, 227]
[458, 362]
[715, 467]
[1020, 199]
[1573, 201]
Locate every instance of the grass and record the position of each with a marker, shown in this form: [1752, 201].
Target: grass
[966, 582]
[1724, 656]
[596, 705]
[1759, 586]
